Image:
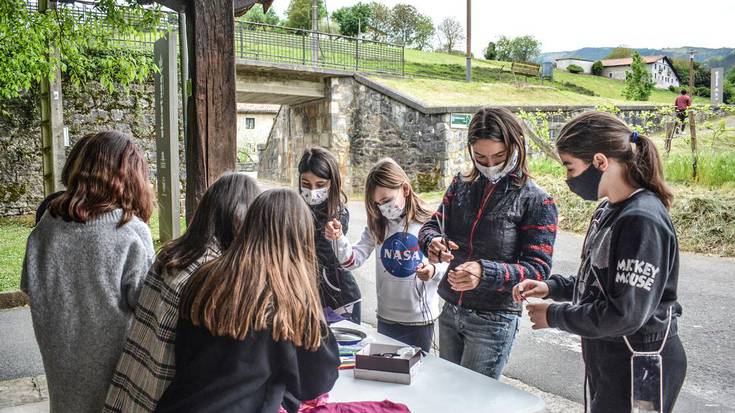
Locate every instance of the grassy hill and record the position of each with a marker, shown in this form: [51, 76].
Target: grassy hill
[438, 79]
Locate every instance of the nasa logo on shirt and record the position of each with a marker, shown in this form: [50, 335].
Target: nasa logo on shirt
[400, 254]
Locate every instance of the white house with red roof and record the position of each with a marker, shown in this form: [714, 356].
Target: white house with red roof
[661, 69]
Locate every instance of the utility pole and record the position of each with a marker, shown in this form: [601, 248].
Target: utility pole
[314, 35]
[469, 41]
[692, 124]
[52, 120]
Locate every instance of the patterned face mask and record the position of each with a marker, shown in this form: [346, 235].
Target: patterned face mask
[315, 196]
[497, 172]
[392, 209]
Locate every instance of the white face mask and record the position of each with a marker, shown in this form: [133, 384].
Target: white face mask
[392, 210]
[497, 172]
[314, 196]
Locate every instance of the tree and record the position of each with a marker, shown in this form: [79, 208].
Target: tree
[256, 15]
[86, 51]
[638, 83]
[597, 68]
[620, 53]
[380, 23]
[519, 49]
[409, 27]
[354, 19]
[490, 52]
[450, 33]
[298, 14]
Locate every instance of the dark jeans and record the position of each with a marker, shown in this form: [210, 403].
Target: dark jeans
[477, 340]
[608, 372]
[418, 336]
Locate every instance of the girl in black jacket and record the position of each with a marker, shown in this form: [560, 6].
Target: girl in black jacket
[252, 328]
[321, 187]
[500, 229]
[624, 297]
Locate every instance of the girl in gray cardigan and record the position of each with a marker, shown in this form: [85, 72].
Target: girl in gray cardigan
[84, 266]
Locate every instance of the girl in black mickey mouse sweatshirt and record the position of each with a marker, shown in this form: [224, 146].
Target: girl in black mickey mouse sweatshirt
[627, 283]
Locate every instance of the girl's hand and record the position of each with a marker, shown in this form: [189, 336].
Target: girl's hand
[465, 276]
[438, 252]
[530, 288]
[537, 314]
[425, 272]
[333, 230]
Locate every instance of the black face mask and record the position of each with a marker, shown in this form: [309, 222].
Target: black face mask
[586, 184]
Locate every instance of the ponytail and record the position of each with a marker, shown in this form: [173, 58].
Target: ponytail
[646, 170]
[600, 132]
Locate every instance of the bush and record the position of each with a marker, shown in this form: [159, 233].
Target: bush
[672, 88]
[575, 69]
[597, 68]
[702, 91]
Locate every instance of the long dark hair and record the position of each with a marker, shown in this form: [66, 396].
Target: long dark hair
[388, 174]
[107, 173]
[265, 279]
[600, 132]
[218, 218]
[323, 164]
[500, 125]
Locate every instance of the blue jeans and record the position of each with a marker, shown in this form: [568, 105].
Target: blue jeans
[477, 340]
[418, 336]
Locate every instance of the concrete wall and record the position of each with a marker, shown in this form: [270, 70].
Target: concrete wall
[249, 139]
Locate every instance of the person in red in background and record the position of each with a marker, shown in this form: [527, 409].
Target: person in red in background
[682, 103]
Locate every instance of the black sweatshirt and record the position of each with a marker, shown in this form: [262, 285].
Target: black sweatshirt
[337, 287]
[632, 248]
[221, 374]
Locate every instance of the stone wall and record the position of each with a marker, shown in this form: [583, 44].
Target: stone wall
[87, 110]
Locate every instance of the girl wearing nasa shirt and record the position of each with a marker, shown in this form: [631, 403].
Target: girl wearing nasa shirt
[406, 283]
[624, 297]
[321, 188]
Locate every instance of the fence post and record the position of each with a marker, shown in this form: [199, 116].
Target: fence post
[240, 34]
[403, 60]
[357, 55]
[303, 49]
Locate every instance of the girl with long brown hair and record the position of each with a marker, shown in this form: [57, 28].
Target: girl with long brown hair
[496, 228]
[406, 282]
[147, 364]
[320, 184]
[251, 325]
[84, 266]
[624, 298]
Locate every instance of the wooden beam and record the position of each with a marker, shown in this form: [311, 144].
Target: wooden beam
[211, 144]
[175, 5]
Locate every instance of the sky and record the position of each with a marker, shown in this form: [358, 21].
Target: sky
[565, 25]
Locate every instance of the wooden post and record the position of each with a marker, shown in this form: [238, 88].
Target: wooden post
[52, 122]
[212, 129]
[468, 76]
[692, 121]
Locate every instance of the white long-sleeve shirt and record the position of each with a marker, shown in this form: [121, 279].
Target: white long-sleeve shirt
[402, 297]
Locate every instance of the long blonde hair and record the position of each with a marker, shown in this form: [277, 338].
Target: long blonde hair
[265, 279]
[388, 174]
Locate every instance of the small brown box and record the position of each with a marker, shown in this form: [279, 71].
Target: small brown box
[391, 370]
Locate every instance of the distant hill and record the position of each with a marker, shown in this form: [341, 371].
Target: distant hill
[724, 56]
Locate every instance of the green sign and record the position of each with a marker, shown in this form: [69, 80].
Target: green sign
[461, 120]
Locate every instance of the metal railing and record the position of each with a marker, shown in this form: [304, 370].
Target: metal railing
[269, 43]
[278, 44]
